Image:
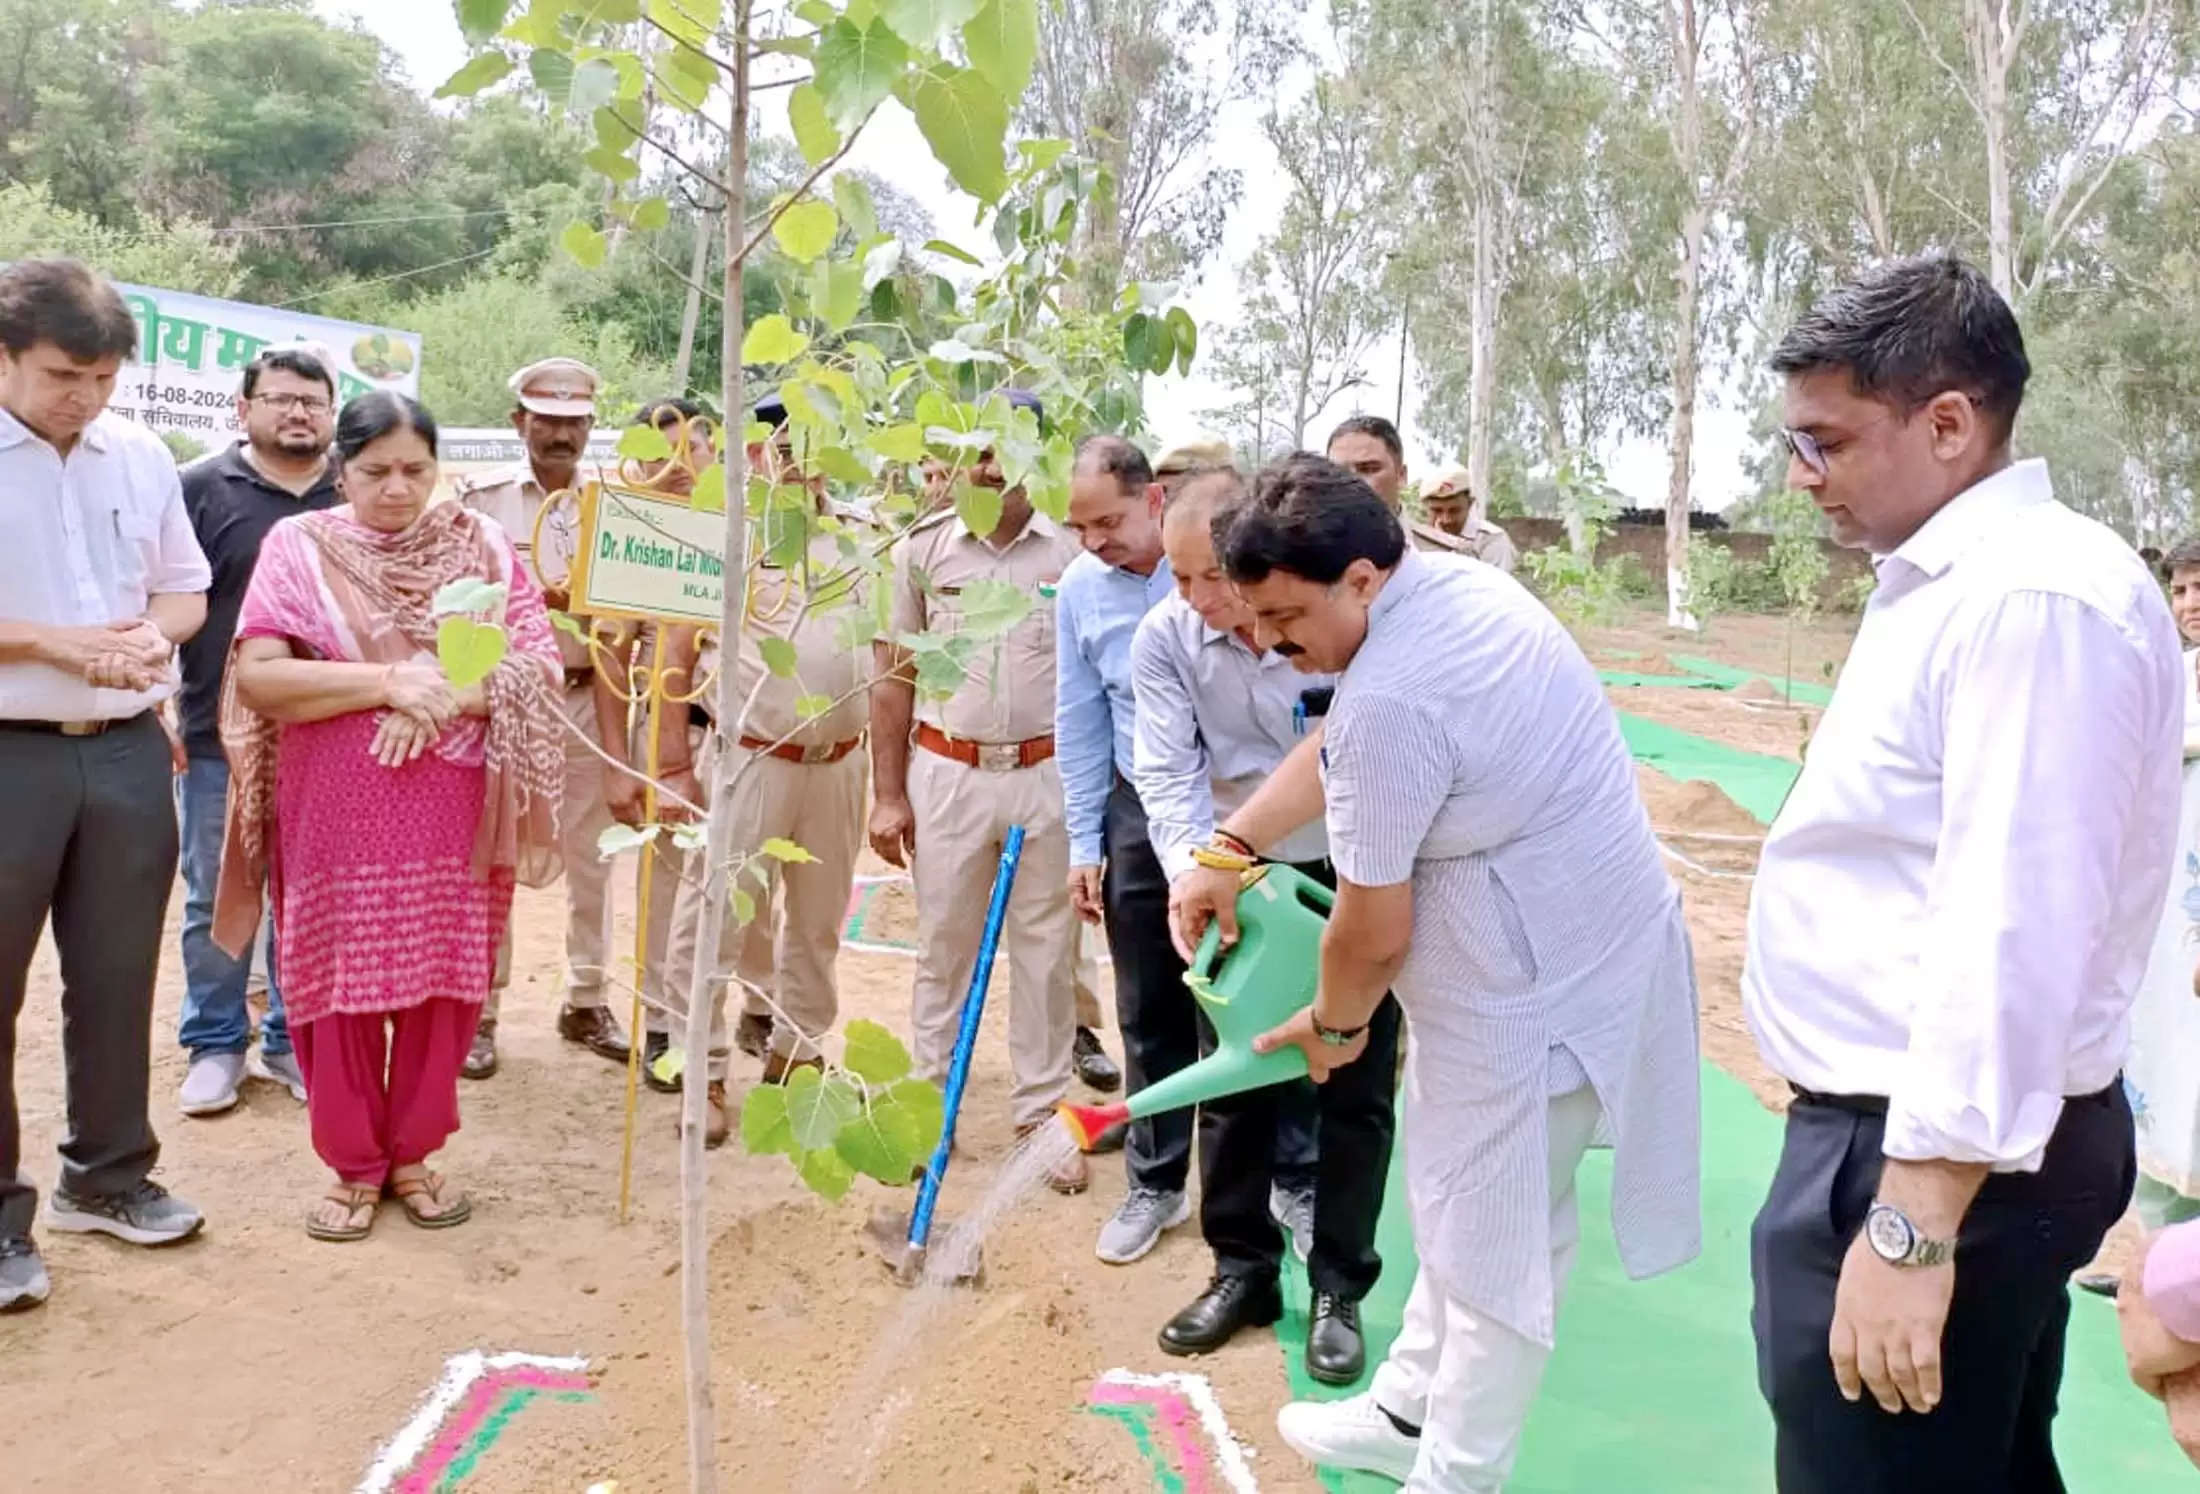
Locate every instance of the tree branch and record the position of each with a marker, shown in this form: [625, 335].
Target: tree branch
[791, 198]
[1932, 49]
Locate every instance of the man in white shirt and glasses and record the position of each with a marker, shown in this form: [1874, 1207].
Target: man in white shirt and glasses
[100, 579]
[1952, 910]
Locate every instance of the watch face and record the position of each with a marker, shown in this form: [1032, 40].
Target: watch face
[1891, 1235]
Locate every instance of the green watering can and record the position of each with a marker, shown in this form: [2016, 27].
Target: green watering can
[1257, 984]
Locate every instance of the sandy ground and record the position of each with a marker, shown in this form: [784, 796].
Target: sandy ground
[257, 1357]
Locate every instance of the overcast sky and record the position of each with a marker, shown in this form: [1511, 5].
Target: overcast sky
[424, 35]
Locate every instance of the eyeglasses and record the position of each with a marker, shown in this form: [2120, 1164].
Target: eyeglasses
[1813, 453]
[312, 404]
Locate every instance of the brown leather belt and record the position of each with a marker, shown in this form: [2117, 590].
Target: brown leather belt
[795, 753]
[993, 757]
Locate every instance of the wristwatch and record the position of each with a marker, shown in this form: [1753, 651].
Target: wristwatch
[1337, 1037]
[1899, 1242]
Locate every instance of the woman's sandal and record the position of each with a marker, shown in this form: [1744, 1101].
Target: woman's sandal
[429, 1186]
[354, 1199]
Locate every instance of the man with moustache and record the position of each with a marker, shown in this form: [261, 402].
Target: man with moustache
[554, 410]
[1217, 714]
[951, 776]
[1452, 510]
[287, 407]
[1496, 870]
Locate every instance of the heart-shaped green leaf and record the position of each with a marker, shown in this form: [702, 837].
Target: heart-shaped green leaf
[826, 1174]
[805, 229]
[965, 121]
[813, 129]
[468, 650]
[990, 608]
[857, 67]
[477, 74]
[1002, 41]
[779, 658]
[617, 840]
[764, 1128]
[874, 1054]
[881, 1143]
[817, 1107]
[773, 340]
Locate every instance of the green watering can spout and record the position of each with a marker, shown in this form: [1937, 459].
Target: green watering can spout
[1259, 983]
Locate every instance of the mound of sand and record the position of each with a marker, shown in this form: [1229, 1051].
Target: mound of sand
[1697, 806]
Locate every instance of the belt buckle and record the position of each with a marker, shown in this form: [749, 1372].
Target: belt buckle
[1000, 757]
[81, 728]
[813, 755]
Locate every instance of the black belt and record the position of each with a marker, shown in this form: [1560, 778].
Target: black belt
[71, 728]
[1877, 1104]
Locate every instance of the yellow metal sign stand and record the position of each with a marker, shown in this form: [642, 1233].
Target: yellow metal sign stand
[648, 687]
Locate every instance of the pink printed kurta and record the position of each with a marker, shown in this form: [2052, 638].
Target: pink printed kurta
[370, 873]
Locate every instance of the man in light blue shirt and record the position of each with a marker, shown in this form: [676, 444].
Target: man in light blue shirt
[1115, 511]
[1217, 714]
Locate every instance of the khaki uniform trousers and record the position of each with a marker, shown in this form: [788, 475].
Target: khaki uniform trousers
[962, 817]
[582, 818]
[792, 945]
[1086, 964]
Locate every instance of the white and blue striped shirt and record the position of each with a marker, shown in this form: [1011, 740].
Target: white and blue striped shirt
[1489, 773]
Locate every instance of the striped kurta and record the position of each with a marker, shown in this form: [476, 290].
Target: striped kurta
[1471, 750]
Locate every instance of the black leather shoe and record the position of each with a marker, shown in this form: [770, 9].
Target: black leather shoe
[654, 1047]
[1215, 1316]
[1335, 1352]
[753, 1034]
[1094, 1067]
[595, 1029]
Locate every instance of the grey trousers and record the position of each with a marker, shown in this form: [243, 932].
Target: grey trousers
[88, 834]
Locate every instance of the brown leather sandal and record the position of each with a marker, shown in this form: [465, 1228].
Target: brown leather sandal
[354, 1198]
[429, 1185]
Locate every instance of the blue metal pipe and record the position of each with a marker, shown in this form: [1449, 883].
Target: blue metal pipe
[966, 1039]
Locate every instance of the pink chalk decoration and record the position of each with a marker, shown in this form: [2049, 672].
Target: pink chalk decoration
[481, 1399]
[1198, 1440]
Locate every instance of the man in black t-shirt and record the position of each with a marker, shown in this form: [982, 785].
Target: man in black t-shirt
[280, 468]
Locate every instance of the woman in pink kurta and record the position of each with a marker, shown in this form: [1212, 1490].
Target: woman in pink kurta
[391, 813]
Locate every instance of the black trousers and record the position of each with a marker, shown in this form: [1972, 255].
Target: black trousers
[2002, 1350]
[87, 834]
[1159, 1019]
[1355, 1117]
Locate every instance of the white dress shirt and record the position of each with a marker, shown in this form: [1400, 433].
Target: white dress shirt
[1954, 907]
[1214, 720]
[89, 540]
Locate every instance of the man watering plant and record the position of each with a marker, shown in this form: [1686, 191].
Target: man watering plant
[1217, 712]
[1495, 868]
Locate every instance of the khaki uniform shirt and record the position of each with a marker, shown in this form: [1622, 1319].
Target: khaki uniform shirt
[1490, 544]
[824, 664]
[1007, 694]
[512, 497]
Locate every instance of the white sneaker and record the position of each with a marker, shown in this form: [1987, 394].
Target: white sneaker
[211, 1085]
[1352, 1433]
[278, 1068]
[1135, 1227]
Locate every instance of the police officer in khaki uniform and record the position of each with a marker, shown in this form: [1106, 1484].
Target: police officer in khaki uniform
[555, 410]
[801, 779]
[1370, 446]
[1452, 508]
[954, 775]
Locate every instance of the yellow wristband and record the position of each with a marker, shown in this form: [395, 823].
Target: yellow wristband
[1215, 860]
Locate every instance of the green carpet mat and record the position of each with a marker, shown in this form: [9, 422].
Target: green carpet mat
[1659, 681]
[1727, 677]
[1751, 779]
[1653, 1389]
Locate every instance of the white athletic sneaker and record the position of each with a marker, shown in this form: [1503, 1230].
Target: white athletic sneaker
[277, 1068]
[1352, 1433]
[1135, 1227]
[210, 1087]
